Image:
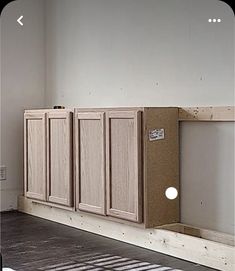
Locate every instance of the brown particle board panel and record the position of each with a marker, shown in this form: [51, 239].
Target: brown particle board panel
[161, 166]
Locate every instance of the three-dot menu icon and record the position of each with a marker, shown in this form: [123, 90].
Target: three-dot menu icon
[215, 20]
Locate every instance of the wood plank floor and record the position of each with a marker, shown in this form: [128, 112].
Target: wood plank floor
[31, 244]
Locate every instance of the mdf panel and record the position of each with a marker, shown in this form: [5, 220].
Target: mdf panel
[59, 157]
[35, 155]
[123, 169]
[161, 166]
[90, 161]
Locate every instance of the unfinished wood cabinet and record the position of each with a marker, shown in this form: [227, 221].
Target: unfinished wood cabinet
[123, 168]
[48, 155]
[124, 161]
[59, 157]
[141, 162]
[35, 155]
[90, 161]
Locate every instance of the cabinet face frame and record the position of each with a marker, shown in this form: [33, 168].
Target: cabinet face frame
[67, 116]
[41, 117]
[99, 116]
[137, 189]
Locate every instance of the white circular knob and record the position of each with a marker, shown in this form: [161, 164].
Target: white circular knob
[171, 193]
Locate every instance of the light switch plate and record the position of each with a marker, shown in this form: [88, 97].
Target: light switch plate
[3, 173]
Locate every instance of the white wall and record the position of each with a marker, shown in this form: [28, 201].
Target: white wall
[22, 86]
[207, 175]
[135, 52]
[154, 53]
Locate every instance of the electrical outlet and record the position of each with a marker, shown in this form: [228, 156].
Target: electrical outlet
[3, 173]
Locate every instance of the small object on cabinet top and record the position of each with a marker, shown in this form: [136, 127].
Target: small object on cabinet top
[59, 107]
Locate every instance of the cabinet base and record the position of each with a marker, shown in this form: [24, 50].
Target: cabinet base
[205, 247]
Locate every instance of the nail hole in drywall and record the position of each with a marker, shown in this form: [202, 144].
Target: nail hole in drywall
[171, 193]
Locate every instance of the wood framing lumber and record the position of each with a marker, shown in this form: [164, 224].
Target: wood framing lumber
[191, 248]
[211, 235]
[217, 113]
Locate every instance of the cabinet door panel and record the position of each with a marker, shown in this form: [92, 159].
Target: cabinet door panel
[35, 155]
[59, 157]
[90, 171]
[123, 155]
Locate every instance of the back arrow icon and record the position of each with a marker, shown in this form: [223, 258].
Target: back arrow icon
[19, 20]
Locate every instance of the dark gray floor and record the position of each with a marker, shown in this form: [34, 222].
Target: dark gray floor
[30, 243]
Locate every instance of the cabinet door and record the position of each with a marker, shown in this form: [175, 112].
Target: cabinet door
[123, 168]
[59, 157]
[35, 155]
[90, 165]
